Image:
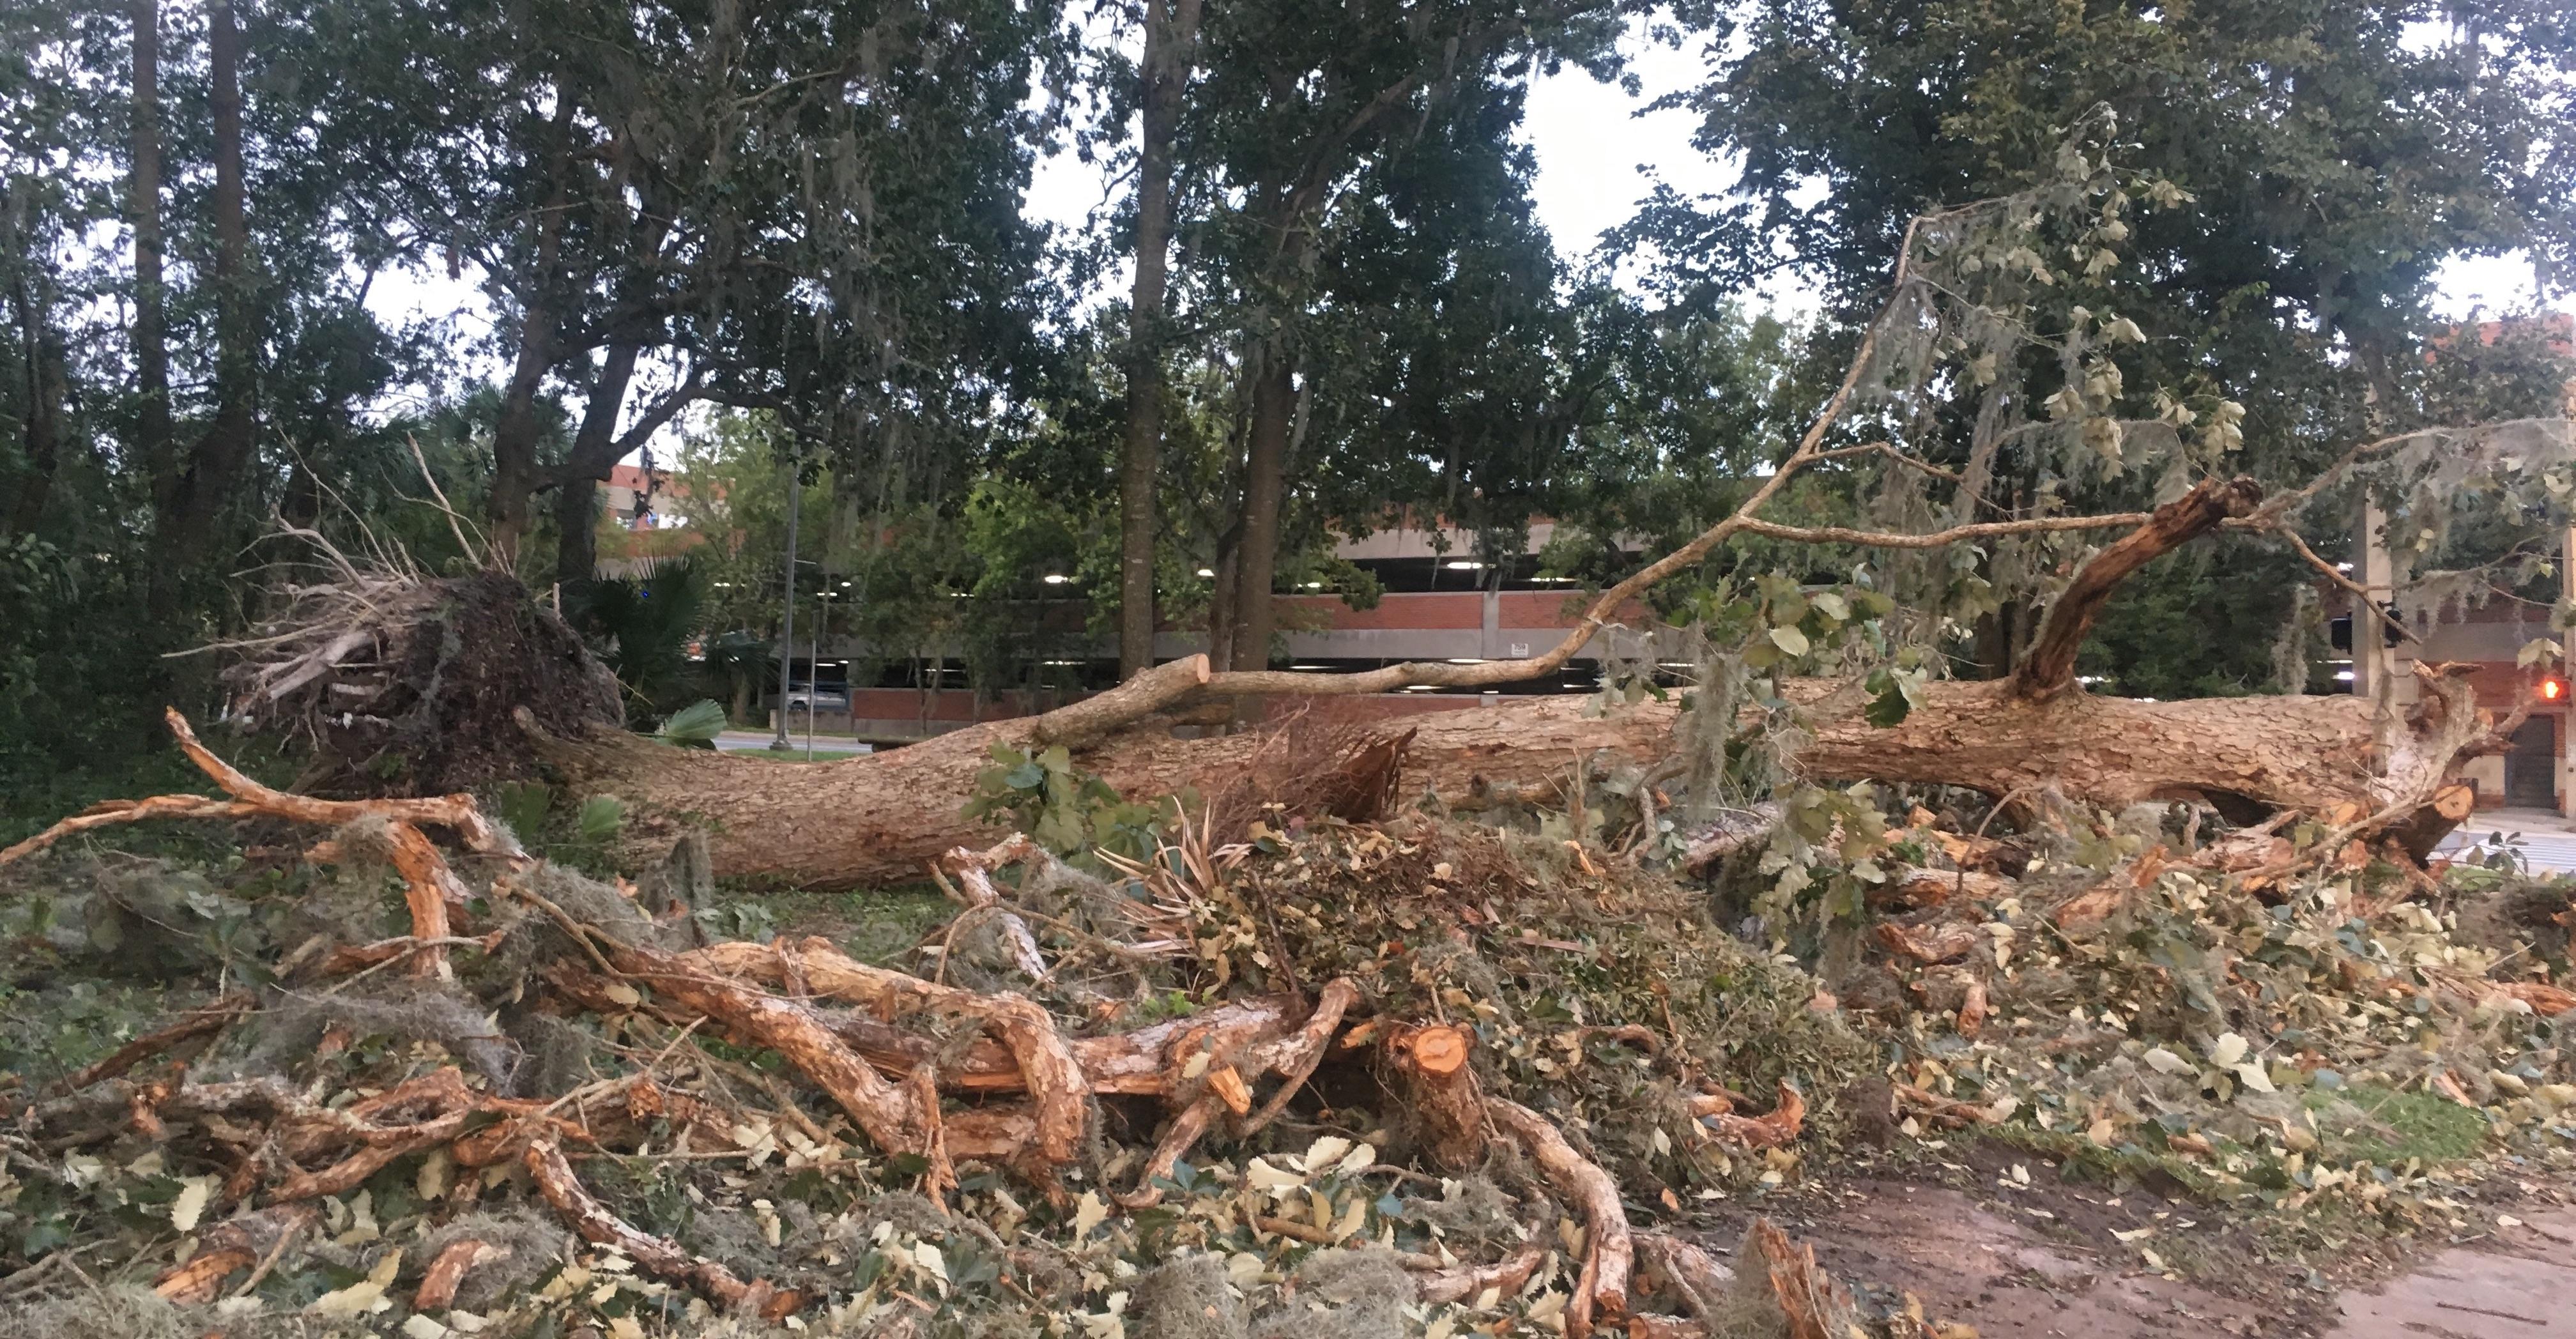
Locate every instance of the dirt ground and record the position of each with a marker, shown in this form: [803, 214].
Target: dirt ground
[1983, 1251]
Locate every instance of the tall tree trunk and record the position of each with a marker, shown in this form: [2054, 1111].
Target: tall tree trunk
[1170, 31]
[143, 208]
[45, 381]
[515, 474]
[595, 451]
[1265, 467]
[217, 468]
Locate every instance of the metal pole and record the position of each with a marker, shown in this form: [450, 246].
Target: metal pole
[814, 676]
[787, 607]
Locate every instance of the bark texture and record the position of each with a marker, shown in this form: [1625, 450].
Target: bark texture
[886, 816]
[1171, 29]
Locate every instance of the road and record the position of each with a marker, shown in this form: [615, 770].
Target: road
[758, 741]
[2544, 840]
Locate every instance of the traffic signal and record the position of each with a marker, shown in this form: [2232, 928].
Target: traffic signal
[2552, 689]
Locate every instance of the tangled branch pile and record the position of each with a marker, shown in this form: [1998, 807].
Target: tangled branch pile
[1008, 1142]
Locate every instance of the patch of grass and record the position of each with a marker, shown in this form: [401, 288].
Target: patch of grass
[2366, 1122]
[875, 926]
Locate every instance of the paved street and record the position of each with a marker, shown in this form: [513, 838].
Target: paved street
[2543, 839]
[757, 741]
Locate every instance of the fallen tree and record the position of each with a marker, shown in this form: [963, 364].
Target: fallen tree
[883, 817]
[2371, 766]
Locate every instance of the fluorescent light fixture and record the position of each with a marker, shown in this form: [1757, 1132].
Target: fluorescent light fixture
[2343, 676]
[1063, 662]
[2343, 567]
[1207, 571]
[1462, 564]
[1421, 688]
[1309, 667]
[1057, 578]
[845, 585]
[1466, 660]
[1314, 585]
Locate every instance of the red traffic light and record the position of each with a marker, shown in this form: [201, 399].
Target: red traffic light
[2553, 690]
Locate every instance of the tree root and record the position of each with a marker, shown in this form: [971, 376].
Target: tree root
[555, 1180]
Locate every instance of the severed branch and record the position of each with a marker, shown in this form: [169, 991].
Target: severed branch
[2050, 667]
[555, 1180]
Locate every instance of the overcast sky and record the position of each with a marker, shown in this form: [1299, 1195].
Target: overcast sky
[1596, 157]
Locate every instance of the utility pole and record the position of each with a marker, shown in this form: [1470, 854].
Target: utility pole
[787, 608]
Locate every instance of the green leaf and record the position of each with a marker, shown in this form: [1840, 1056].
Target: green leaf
[1789, 640]
[601, 816]
[694, 726]
[1887, 709]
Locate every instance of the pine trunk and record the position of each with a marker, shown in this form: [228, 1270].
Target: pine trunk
[883, 817]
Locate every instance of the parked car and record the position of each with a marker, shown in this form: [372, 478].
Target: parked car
[807, 697]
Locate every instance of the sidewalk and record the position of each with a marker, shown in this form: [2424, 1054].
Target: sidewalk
[758, 741]
[2545, 840]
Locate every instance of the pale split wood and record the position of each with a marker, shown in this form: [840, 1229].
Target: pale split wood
[1778, 1128]
[1178, 1138]
[1294, 1057]
[1465, 1283]
[237, 1243]
[1814, 1305]
[1433, 1069]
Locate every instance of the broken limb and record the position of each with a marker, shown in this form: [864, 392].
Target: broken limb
[555, 1180]
[1609, 1251]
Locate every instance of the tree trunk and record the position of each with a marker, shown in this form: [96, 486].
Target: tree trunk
[46, 377]
[216, 468]
[514, 429]
[882, 817]
[1170, 31]
[1274, 406]
[595, 451]
[143, 205]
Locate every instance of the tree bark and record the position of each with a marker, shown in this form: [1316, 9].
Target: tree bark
[596, 449]
[46, 378]
[143, 206]
[1265, 465]
[884, 817]
[2049, 669]
[1171, 29]
[514, 429]
[215, 469]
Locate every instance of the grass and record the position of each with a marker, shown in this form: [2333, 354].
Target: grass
[2395, 1126]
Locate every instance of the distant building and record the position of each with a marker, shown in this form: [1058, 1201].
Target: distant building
[2537, 770]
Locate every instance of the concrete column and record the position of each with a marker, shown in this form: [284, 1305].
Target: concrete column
[1490, 643]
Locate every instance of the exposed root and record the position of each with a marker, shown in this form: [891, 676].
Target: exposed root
[555, 1180]
[1601, 1295]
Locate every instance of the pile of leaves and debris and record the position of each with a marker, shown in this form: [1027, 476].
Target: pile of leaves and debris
[2343, 1039]
[1417, 1077]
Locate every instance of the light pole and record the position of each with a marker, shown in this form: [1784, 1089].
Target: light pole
[787, 606]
